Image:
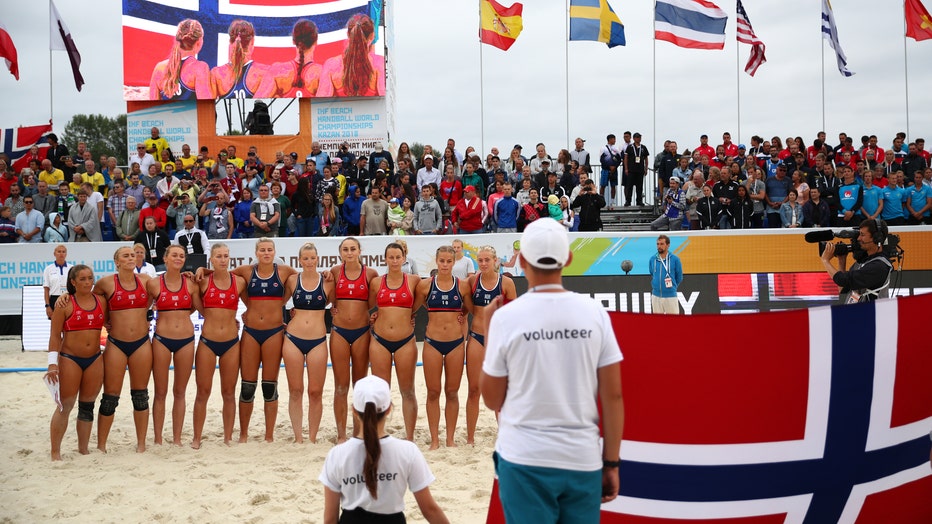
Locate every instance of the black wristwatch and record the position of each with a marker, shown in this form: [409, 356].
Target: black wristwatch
[610, 464]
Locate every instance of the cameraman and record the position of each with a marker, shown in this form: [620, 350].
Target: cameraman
[869, 279]
[590, 204]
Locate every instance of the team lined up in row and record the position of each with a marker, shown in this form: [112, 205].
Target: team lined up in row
[358, 340]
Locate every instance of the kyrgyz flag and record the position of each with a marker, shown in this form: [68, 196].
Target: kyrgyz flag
[918, 21]
[499, 26]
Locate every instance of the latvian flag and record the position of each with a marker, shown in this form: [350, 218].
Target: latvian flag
[696, 24]
[816, 415]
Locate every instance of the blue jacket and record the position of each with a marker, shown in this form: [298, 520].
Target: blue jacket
[658, 274]
[506, 212]
[352, 207]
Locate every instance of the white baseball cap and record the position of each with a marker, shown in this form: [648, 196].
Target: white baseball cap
[371, 389]
[545, 244]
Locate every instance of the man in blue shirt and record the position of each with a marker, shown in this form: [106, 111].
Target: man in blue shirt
[893, 198]
[506, 211]
[666, 273]
[918, 202]
[872, 205]
[850, 199]
[777, 188]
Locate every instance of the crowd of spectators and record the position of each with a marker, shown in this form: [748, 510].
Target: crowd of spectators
[221, 195]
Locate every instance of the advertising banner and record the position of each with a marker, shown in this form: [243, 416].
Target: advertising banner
[177, 123]
[209, 49]
[725, 271]
[362, 123]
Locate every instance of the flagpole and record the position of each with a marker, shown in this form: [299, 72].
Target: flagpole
[906, 73]
[823, 76]
[654, 98]
[481, 92]
[566, 55]
[51, 103]
[738, 84]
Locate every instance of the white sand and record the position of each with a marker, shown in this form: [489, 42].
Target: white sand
[252, 482]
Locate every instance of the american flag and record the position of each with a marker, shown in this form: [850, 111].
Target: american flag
[803, 416]
[16, 141]
[746, 35]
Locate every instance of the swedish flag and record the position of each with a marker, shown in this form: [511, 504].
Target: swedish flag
[595, 20]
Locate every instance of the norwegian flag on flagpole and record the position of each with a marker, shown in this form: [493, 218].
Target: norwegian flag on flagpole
[17, 141]
[802, 416]
[746, 35]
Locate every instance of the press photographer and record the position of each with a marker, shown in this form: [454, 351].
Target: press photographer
[869, 277]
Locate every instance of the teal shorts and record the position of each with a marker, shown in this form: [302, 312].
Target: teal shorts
[542, 495]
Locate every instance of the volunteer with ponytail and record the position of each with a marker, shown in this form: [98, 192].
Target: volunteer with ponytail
[74, 357]
[368, 475]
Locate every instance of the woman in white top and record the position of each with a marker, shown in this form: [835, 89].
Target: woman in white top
[462, 266]
[368, 475]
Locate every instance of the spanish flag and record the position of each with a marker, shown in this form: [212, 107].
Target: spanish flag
[499, 26]
[918, 21]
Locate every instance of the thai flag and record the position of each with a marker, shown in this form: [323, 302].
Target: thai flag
[17, 141]
[696, 24]
[149, 28]
[806, 416]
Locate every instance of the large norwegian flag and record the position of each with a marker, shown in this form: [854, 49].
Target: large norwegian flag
[16, 142]
[804, 416]
[149, 28]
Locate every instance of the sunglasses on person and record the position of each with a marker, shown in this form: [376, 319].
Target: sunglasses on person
[188, 221]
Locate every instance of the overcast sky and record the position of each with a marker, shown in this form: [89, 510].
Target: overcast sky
[439, 81]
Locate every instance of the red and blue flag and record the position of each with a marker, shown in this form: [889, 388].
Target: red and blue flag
[17, 141]
[809, 416]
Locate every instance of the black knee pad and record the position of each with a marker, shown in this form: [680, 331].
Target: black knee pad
[86, 411]
[270, 390]
[108, 404]
[140, 399]
[247, 392]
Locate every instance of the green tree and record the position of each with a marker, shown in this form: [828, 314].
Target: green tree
[103, 135]
[417, 150]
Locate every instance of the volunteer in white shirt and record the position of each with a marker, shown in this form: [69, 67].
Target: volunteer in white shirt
[55, 278]
[548, 455]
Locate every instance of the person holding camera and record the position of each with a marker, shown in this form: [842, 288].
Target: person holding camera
[868, 279]
[180, 207]
[590, 204]
[674, 205]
